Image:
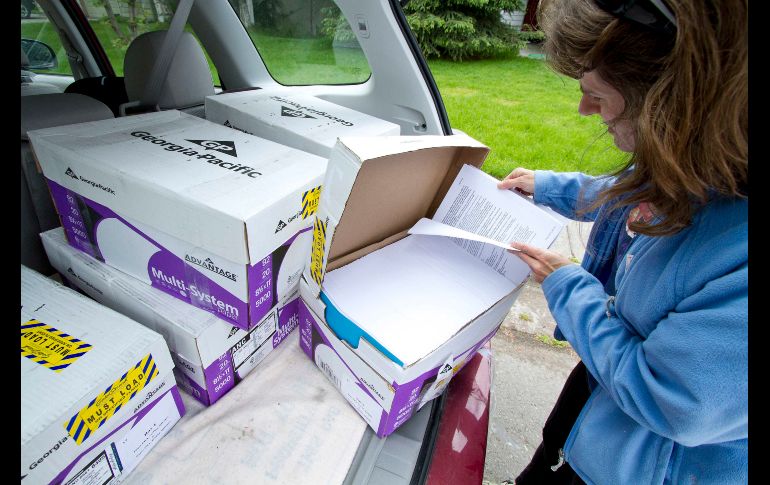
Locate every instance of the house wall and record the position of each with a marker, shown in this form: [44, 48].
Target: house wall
[516, 18]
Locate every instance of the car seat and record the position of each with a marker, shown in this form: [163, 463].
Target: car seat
[110, 90]
[37, 210]
[187, 82]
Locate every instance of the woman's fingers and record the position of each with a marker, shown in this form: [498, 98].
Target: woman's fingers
[542, 262]
[520, 179]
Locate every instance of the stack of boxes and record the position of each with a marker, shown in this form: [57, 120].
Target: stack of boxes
[210, 355]
[232, 229]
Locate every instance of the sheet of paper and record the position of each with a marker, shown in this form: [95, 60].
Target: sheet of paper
[429, 227]
[413, 295]
[475, 204]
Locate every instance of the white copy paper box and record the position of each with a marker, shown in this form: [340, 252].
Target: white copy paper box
[215, 217]
[359, 215]
[97, 388]
[302, 121]
[211, 356]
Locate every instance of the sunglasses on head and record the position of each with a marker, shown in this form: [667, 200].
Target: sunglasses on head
[650, 13]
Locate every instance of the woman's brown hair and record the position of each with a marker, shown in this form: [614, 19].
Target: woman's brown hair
[686, 92]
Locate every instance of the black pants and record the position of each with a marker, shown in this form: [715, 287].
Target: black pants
[555, 431]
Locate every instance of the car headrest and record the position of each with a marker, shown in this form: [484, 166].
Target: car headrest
[188, 81]
[47, 110]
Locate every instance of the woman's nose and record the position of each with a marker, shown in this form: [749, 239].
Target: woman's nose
[587, 106]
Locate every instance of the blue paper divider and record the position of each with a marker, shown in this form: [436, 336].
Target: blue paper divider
[347, 330]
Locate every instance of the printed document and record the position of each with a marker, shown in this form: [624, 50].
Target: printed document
[483, 220]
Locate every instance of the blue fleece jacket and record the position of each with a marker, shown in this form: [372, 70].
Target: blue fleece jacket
[669, 354]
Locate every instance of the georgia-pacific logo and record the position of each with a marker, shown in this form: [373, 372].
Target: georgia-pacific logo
[226, 147]
[293, 113]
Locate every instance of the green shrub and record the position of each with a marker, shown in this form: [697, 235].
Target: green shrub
[335, 26]
[454, 29]
[528, 34]
[463, 29]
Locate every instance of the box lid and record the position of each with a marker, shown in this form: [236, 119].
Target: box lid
[193, 179]
[300, 120]
[398, 180]
[86, 346]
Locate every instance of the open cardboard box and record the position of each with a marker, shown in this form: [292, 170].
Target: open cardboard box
[97, 388]
[211, 356]
[215, 217]
[376, 189]
[298, 120]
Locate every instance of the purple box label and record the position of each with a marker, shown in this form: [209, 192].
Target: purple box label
[172, 275]
[405, 401]
[288, 317]
[306, 322]
[263, 279]
[220, 377]
[261, 288]
[231, 367]
[76, 219]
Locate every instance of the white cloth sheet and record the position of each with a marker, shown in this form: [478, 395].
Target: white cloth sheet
[284, 423]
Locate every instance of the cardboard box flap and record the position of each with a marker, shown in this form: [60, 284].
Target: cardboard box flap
[370, 147]
[401, 179]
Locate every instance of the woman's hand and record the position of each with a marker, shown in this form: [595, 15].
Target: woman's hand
[542, 262]
[520, 179]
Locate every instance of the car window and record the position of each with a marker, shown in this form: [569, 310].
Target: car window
[116, 25]
[304, 42]
[41, 44]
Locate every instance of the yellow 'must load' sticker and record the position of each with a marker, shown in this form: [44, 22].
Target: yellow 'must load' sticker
[310, 202]
[317, 255]
[109, 402]
[50, 347]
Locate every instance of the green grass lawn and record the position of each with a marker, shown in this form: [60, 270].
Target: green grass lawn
[298, 61]
[523, 111]
[287, 59]
[526, 114]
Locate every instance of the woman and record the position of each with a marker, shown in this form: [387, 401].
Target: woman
[658, 310]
